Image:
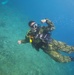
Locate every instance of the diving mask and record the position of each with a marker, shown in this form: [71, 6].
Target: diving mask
[34, 25]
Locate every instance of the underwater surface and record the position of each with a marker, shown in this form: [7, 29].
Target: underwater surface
[23, 59]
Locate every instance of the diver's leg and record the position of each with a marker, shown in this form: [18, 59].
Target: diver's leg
[58, 57]
[58, 45]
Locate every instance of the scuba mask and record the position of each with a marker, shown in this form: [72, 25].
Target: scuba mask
[35, 25]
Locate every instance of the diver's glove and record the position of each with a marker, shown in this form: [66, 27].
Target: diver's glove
[43, 21]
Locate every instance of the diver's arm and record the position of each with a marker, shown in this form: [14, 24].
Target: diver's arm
[26, 40]
[50, 26]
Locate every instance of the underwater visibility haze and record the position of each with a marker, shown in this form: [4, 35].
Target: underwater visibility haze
[23, 59]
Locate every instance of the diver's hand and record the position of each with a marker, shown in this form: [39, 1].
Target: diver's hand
[19, 41]
[43, 20]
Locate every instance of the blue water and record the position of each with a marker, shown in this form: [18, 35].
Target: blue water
[24, 59]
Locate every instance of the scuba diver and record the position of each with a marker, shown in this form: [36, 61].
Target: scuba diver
[40, 38]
